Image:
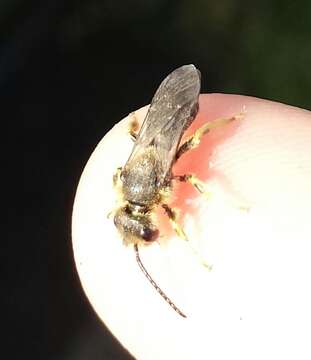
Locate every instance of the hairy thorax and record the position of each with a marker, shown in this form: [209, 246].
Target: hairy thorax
[142, 179]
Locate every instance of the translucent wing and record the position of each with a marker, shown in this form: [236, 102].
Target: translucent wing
[173, 108]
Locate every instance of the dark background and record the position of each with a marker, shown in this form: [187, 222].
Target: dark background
[69, 70]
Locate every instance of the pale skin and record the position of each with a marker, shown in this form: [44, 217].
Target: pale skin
[255, 302]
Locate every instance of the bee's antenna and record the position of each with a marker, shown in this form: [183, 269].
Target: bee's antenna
[154, 284]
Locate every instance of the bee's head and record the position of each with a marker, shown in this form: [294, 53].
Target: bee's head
[135, 226]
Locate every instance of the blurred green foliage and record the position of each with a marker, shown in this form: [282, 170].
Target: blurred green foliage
[260, 48]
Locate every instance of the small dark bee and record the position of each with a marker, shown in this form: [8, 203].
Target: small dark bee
[146, 179]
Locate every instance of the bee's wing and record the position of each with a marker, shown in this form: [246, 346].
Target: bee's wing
[172, 110]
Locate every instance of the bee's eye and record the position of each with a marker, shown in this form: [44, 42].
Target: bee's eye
[149, 234]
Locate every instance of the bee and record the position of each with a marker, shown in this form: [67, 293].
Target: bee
[145, 181]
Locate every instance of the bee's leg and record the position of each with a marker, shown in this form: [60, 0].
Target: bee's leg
[172, 215]
[116, 176]
[201, 187]
[116, 180]
[194, 140]
[133, 126]
[194, 181]
[110, 214]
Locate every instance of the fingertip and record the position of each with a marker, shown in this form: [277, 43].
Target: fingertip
[247, 155]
